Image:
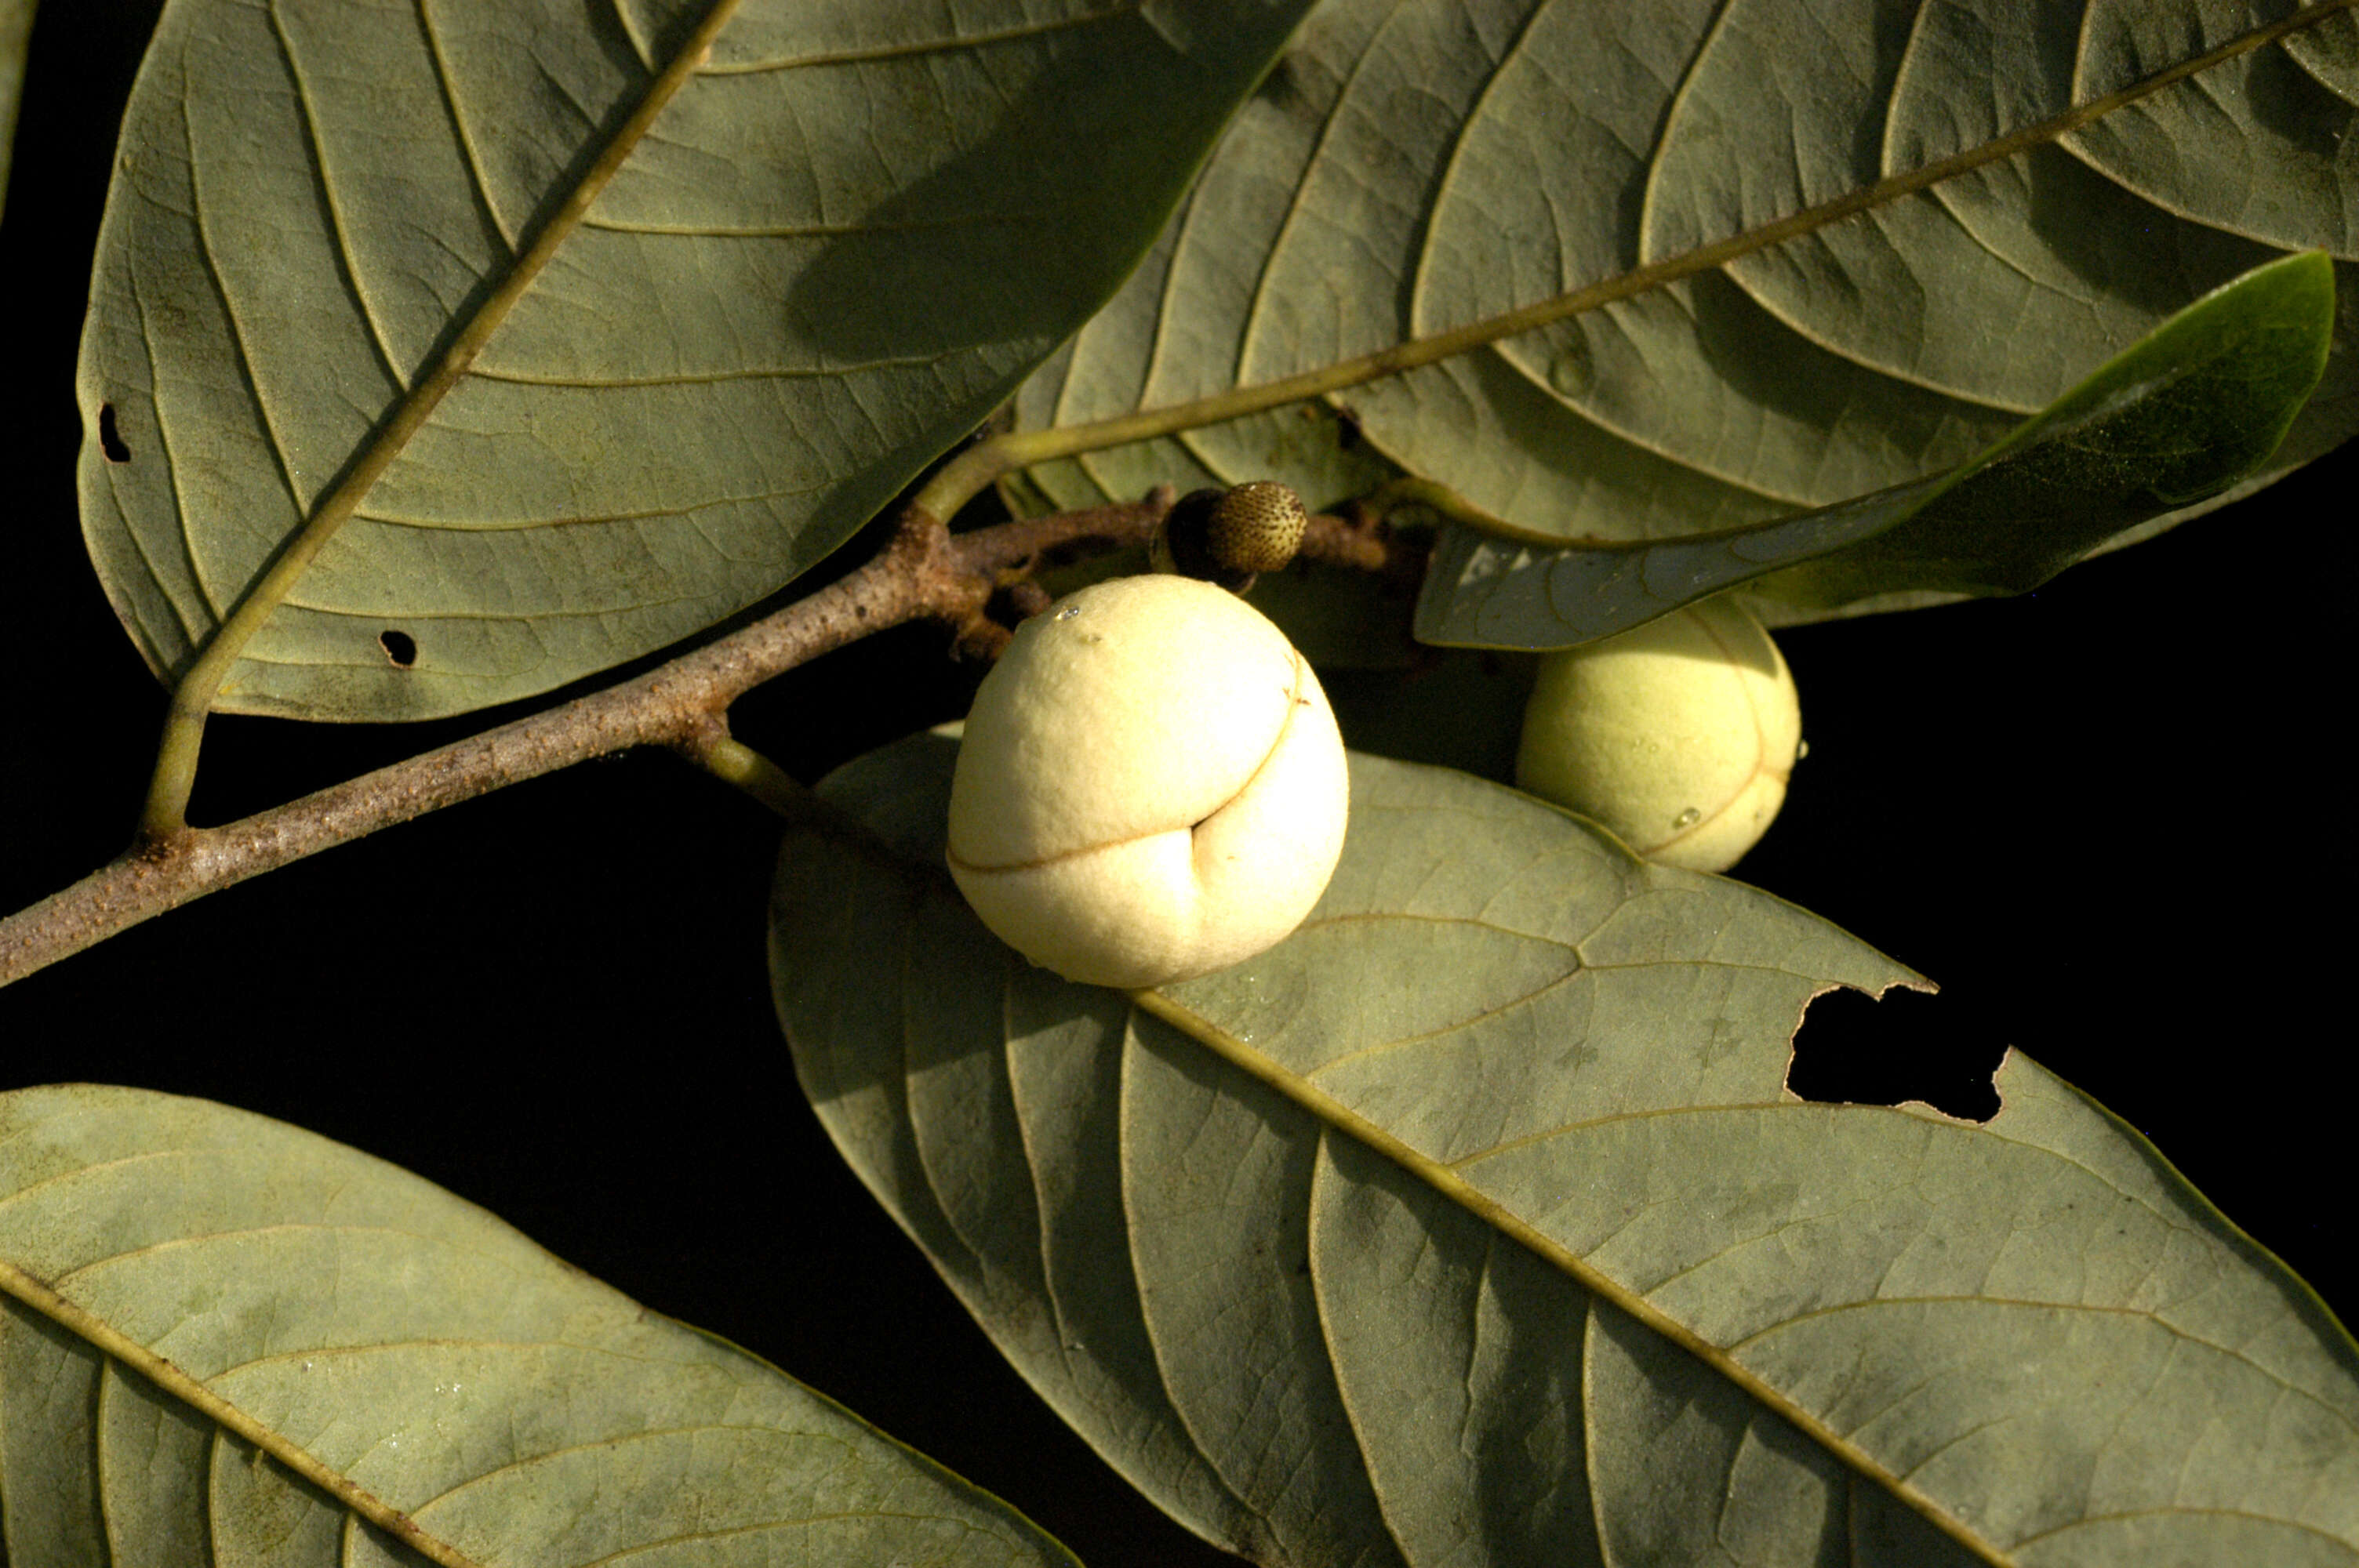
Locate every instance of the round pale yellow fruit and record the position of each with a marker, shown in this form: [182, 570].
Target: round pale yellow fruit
[1150, 787]
[1677, 735]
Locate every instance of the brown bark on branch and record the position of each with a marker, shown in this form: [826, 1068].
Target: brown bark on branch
[923, 573]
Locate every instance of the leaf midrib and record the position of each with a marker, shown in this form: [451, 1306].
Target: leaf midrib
[1024, 449]
[40, 1297]
[1447, 1182]
[412, 411]
[105, 1337]
[194, 695]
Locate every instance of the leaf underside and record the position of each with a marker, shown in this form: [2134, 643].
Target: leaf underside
[827, 258]
[1473, 1224]
[1412, 167]
[16, 34]
[2193, 408]
[405, 1343]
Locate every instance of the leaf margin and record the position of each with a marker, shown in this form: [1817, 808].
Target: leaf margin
[894, 821]
[80, 1104]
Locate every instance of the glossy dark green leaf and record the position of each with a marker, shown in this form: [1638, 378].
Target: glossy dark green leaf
[1414, 168]
[2194, 407]
[1473, 1225]
[224, 1340]
[597, 380]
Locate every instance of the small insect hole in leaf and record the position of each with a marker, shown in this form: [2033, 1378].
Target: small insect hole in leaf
[110, 439]
[399, 647]
[1854, 1049]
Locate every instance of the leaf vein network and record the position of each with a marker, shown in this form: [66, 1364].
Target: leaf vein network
[175, 1242]
[931, 46]
[347, 264]
[799, 1522]
[2142, 1314]
[189, 636]
[385, 1347]
[620, 1439]
[707, 378]
[2086, 1521]
[1421, 252]
[460, 135]
[1033, 1172]
[78, 1171]
[204, 247]
[532, 524]
[1248, 330]
[478, 617]
[1406, 1042]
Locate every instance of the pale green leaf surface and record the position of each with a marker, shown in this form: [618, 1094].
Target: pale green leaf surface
[2194, 406]
[1414, 168]
[829, 257]
[407, 1343]
[15, 35]
[1473, 1225]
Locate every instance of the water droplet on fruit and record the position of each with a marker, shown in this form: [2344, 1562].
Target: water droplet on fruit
[1688, 819]
[1069, 612]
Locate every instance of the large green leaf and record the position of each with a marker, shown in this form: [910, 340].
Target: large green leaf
[2193, 408]
[224, 1340]
[15, 35]
[592, 323]
[1473, 1224]
[1414, 168]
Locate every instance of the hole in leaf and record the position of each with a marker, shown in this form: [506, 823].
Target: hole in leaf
[399, 647]
[110, 439]
[1854, 1049]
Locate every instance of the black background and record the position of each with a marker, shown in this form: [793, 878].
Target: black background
[2101, 816]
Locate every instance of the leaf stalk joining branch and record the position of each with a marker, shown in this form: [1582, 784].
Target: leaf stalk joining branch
[922, 573]
[678, 704]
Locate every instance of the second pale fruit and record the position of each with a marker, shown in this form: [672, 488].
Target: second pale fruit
[1677, 735]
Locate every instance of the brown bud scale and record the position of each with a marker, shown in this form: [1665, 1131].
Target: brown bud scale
[1256, 528]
